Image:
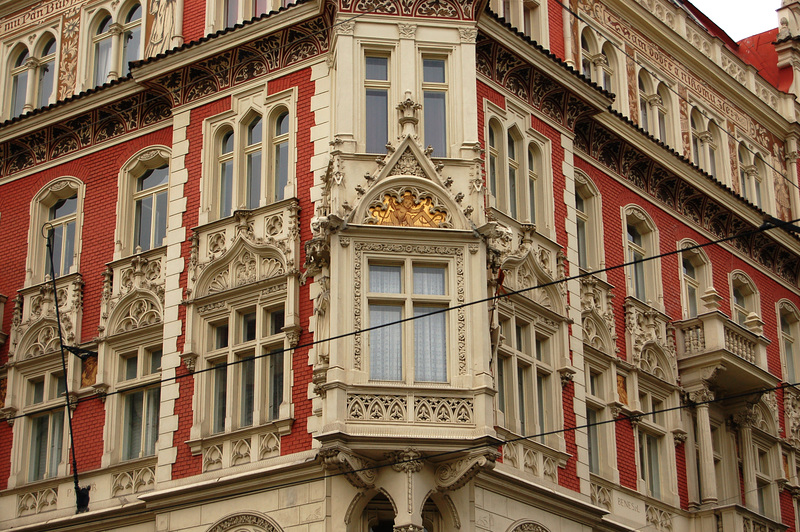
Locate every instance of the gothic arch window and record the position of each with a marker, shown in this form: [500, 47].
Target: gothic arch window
[588, 51]
[57, 213]
[752, 177]
[251, 154]
[143, 194]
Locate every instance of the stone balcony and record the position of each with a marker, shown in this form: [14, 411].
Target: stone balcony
[714, 349]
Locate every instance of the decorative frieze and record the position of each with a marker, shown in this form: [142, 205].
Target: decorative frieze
[36, 502]
[133, 481]
[395, 408]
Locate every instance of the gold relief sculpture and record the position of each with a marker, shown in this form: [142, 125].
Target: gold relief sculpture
[622, 389]
[408, 212]
[89, 371]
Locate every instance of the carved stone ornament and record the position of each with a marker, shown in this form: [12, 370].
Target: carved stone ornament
[659, 519]
[358, 470]
[529, 526]
[254, 522]
[792, 409]
[408, 461]
[190, 359]
[455, 474]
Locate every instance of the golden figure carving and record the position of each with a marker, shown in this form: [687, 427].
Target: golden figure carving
[408, 212]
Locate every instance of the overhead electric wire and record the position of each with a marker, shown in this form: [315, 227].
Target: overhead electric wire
[381, 464]
[657, 75]
[505, 294]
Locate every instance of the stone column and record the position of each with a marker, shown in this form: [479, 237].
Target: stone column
[30, 89]
[745, 421]
[116, 54]
[708, 478]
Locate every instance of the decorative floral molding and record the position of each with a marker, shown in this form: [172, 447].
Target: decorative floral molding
[133, 481]
[36, 502]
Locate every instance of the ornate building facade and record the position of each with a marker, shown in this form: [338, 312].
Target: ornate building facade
[398, 265]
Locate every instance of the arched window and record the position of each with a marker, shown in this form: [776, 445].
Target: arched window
[608, 61]
[131, 38]
[58, 209]
[752, 172]
[696, 123]
[589, 226]
[587, 54]
[150, 198]
[641, 242]
[662, 103]
[695, 269]
[19, 81]
[142, 205]
[237, 11]
[102, 41]
[62, 223]
[745, 305]
[713, 141]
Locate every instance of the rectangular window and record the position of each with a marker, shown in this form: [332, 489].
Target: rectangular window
[408, 289]
[46, 429]
[636, 255]
[593, 437]
[376, 114]
[247, 360]
[139, 372]
[434, 106]
[649, 465]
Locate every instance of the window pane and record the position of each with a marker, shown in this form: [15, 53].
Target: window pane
[691, 295]
[253, 180]
[248, 327]
[220, 394]
[275, 383]
[592, 432]
[281, 169]
[57, 240]
[102, 61]
[377, 68]
[501, 384]
[582, 243]
[161, 219]
[131, 45]
[522, 386]
[38, 392]
[433, 70]
[132, 444]
[254, 131]
[532, 200]
[143, 218]
[541, 393]
[155, 360]
[638, 275]
[153, 399]
[56, 442]
[435, 122]
[46, 77]
[38, 463]
[429, 280]
[152, 178]
[377, 113]
[655, 477]
[19, 87]
[226, 189]
[385, 344]
[385, 279]
[430, 349]
[247, 371]
[231, 12]
[130, 367]
[69, 247]
[512, 188]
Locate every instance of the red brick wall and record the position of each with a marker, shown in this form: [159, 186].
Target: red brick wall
[555, 15]
[194, 19]
[683, 486]
[626, 454]
[787, 510]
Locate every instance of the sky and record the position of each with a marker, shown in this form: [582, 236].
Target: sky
[741, 18]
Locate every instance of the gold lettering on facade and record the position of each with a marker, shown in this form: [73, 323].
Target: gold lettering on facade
[408, 212]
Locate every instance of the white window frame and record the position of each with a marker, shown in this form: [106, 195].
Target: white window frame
[789, 334]
[438, 88]
[655, 426]
[591, 218]
[372, 50]
[741, 313]
[600, 390]
[58, 189]
[407, 299]
[91, 19]
[146, 381]
[637, 217]
[701, 283]
[148, 158]
[33, 67]
[216, 12]
[246, 106]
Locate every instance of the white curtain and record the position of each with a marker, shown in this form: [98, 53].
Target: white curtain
[430, 345]
[386, 343]
[385, 279]
[132, 445]
[429, 280]
[151, 422]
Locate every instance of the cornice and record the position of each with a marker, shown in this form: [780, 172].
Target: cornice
[542, 59]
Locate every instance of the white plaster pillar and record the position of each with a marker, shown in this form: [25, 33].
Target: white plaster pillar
[708, 478]
[745, 421]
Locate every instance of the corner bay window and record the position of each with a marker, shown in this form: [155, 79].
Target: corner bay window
[417, 347]
[246, 354]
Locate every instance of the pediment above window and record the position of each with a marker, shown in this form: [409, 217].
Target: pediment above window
[33, 327]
